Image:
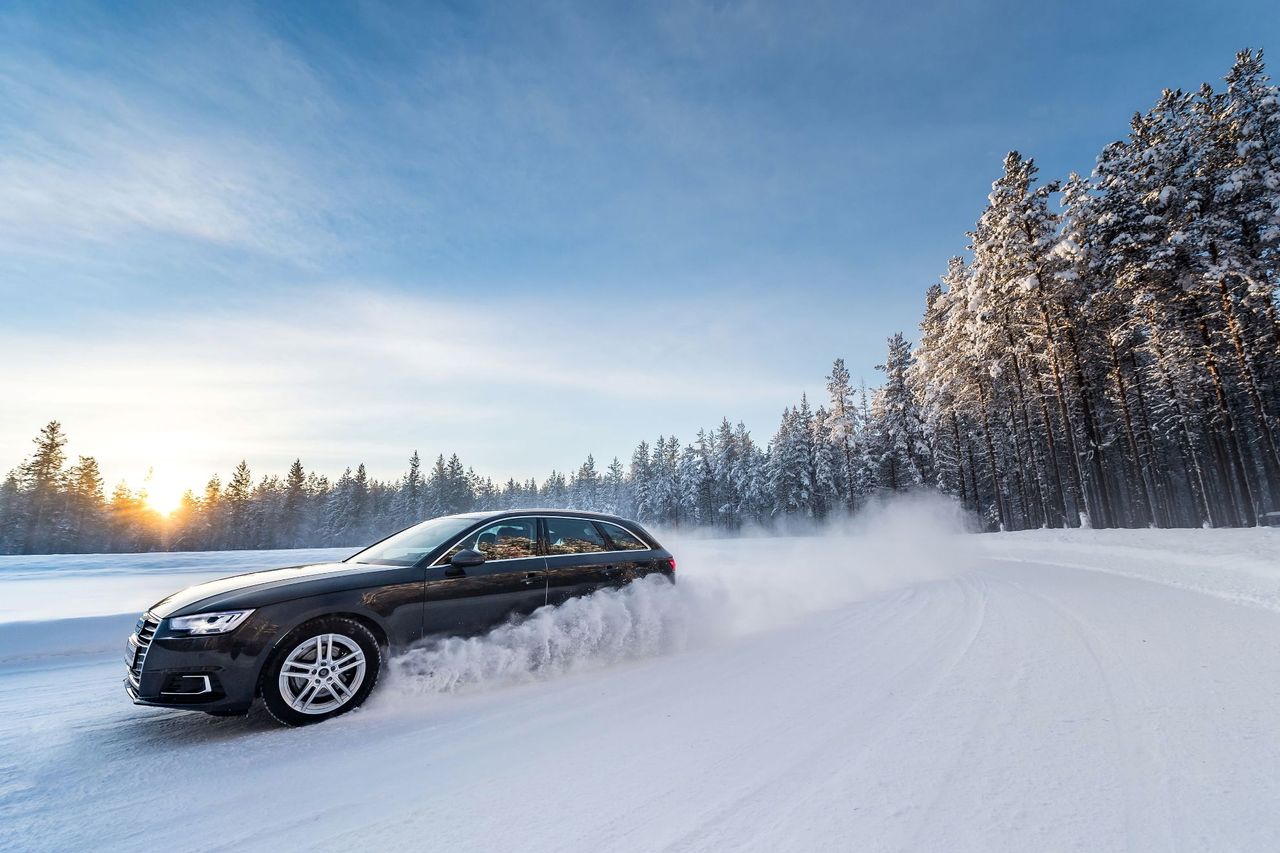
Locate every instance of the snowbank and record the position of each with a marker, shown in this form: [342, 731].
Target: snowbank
[65, 586]
[1241, 566]
[43, 643]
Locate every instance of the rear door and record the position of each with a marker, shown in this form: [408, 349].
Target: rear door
[630, 556]
[578, 561]
[512, 579]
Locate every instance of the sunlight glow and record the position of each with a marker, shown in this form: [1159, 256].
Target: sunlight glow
[163, 495]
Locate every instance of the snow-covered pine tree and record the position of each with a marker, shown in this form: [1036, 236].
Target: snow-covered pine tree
[641, 478]
[843, 427]
[789, 463]
[409, 498]
[85, 505]
[585, 491]
[828, 465]
[613, 490]
[749, 477]
[901, 451]
[41, 480]
[726, 499]
[689, 487]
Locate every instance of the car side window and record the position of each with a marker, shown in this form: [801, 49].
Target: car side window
[505, 540]
[573, 536]
[622, 539]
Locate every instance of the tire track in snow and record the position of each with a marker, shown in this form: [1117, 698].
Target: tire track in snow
[1126, 733]
[811, 769]
[710, 830]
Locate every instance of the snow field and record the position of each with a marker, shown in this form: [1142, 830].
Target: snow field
[893, 686]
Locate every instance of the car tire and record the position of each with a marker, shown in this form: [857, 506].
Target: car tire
[322, 669]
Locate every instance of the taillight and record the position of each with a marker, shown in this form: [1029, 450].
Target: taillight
[671, 561]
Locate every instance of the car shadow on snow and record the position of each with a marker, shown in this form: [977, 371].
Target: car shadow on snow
[167, 729]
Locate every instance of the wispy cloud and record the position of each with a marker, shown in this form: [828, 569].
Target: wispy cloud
[101, 159]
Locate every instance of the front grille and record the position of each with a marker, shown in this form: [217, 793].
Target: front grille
[143, 634]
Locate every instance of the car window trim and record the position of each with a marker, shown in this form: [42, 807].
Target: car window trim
[603, 527]
[543, 544]
[476, 531]
[603, 533]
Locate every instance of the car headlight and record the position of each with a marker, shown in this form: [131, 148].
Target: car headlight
[209, 623]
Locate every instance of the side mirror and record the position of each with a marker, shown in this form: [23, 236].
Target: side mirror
[466, 558]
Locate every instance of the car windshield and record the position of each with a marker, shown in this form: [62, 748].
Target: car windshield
[409, 546]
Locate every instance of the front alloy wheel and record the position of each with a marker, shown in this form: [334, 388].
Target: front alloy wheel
[325, 668]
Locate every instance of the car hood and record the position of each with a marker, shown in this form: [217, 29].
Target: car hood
[270, 579]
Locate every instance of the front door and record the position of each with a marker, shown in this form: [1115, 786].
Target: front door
[511, 580]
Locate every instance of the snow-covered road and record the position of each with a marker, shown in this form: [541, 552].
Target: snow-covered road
[962, 696]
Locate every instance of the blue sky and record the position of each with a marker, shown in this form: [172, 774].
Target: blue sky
[520, 232]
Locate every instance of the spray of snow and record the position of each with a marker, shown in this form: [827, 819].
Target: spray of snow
[726, 589]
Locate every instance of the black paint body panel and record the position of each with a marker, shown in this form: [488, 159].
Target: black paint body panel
[401, 605]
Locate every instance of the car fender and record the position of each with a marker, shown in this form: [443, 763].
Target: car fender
[303, 610]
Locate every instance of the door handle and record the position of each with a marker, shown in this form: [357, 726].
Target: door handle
[532, 577]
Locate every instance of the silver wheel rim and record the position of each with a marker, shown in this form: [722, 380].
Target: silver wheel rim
[322, 674]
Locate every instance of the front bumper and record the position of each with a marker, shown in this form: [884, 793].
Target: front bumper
[216, 674]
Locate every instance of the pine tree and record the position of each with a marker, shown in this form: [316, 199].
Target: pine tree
[726, 486]
[843, 427]
[235, 501]
[294, 504]
[789, 465]
[409, 508]
[41, 480]
[901, 452]
[613, 490]
[586, 486]
[85, 505]
[829, 466]
[690, 488]
[12, 515]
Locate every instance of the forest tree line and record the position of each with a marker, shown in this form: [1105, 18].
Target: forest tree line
[1114, 362]
[813, 467]
[1105, 355]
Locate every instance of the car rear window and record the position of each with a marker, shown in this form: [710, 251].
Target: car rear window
[622, 539]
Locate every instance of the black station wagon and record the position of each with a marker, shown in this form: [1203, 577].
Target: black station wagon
[310, 640]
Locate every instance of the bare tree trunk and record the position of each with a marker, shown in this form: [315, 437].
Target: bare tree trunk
[1271, 460]
[991, 453]
[973, 476]
[1037, 466]
[1059, 493]
[955, 434]
[1173, 394]
[1092, 433]
[1235, 455]
[1019, 467]
[1140, 470]
[1148, 461]
[1079, 497]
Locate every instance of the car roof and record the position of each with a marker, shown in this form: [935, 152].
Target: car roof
[508, 513]
[497, 515]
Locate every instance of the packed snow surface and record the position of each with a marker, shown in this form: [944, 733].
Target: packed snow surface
[898, 685]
